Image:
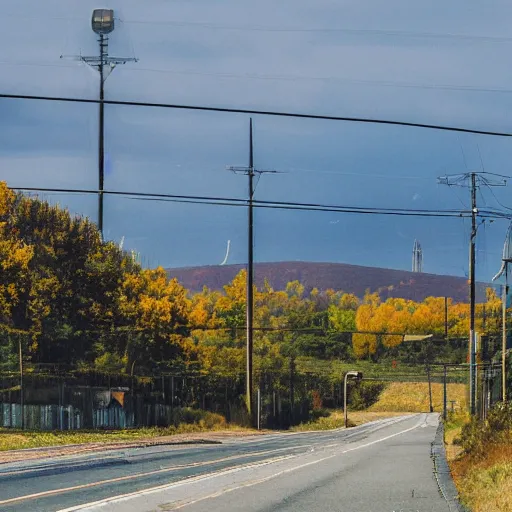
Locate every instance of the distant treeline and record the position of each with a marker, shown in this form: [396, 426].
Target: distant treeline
[67, 297]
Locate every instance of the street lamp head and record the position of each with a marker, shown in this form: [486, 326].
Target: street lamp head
[103, 21]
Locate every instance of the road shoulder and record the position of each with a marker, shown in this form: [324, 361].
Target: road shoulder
[442, 472]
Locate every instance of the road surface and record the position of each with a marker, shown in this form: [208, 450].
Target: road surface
[383, 466]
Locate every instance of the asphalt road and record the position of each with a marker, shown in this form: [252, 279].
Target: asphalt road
[384, 466]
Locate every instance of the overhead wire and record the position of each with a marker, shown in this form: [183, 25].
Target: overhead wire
[274, 113]
[496, 198]
[334, 79]
[281, 29]
[285, 205]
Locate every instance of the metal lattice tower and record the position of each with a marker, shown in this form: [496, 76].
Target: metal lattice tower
[417, 257]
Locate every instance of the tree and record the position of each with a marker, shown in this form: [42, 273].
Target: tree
[159, 309]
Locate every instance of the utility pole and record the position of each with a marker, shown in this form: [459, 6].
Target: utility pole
[472, 263]
[446, 318]
[250, 172]
[506, 259]
[102, 24]
[473, 180]
[431, 406]
[250, 273]
[101, 132]
[21, 383]
[504, 341]
[445, 415]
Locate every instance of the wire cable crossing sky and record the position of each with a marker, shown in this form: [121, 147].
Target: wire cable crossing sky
[359, 109]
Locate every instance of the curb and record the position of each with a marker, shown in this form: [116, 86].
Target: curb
[443, 474]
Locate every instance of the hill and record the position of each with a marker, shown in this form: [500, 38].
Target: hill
[338, 276]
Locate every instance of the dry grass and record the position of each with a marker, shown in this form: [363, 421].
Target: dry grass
[201, 421]
[453, 450]
[452, 433]
[483, 477]
[413, 397]
[486, 485]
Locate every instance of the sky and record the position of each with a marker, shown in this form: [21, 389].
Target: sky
[435, 63]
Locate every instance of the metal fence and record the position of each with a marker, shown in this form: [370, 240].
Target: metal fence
[58, 397]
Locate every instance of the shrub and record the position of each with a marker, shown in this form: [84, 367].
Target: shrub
[205, 419]
[365, 394]
[320, 413]
[497, 428]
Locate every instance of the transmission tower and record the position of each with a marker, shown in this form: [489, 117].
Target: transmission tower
[417, 257]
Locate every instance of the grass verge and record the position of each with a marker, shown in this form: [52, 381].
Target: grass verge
[480, 457]
[452, 434]
[199, 421]
[485, 484]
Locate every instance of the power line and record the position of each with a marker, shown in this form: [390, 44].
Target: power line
[227, 201]
[349, 31]
[257, 112]
[277, 29]
[289, 78]
[497, 200]
[334, 79]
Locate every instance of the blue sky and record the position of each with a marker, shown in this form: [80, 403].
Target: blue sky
[432, 63]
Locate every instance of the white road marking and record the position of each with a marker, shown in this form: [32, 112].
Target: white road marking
[126, 497]
[53, 492]
[193, 479]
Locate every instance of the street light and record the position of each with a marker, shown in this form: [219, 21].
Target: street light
[102, 24]
[349, 375]
[103, 21]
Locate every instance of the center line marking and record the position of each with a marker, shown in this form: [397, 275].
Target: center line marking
[53, 492]
[126, 497]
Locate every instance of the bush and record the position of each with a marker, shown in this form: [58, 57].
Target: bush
[365, 394]
[497, 428]
[319, 413]
[205, 419]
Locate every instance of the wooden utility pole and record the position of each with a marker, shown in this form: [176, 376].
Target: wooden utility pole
[446, 318]
[473, 180]
[444, 393]
[431, 406]
[21, 383]
[504, 341]
[250, 172]
[472, 263]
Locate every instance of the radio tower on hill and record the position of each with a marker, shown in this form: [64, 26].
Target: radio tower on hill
[417, 257]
